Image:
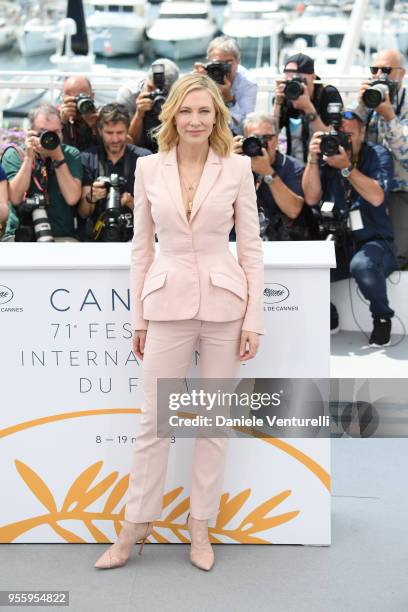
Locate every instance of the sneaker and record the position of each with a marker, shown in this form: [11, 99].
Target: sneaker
[334, 320]
[381, 334]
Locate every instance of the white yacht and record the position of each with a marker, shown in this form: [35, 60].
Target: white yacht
[255, 23]
[37, 35]
[319, 19]
[116, 27]
[182, 29]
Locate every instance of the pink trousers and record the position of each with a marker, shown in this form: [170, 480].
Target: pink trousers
[169, 352]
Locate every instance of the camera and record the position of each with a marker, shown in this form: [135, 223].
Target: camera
[375, 94]
[252, 145]
[85, 104]
[333, 224]
[114, 224]
[159, 95]
[49, 140]
[294, 88]
[331, 142]
[34, 224]
[217, 71]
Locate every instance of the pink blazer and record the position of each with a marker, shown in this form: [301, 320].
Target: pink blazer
[195, 275]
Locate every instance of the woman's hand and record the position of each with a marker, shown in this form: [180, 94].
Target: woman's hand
[139, 340]
[249, 345]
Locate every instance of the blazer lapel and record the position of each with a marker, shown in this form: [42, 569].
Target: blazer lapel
[211, 170]
[172, 181]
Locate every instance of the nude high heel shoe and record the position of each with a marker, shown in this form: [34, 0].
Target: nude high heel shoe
[118, 554]
[201, 552]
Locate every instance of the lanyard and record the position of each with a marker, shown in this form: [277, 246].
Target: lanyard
[41, 181]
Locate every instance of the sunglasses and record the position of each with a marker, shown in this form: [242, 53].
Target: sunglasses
[384, 69]
[349, 115]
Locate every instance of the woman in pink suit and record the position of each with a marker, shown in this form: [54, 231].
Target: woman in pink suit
[190, 193]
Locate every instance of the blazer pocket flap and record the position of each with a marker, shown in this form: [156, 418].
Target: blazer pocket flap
[153, 283]
[227, 282]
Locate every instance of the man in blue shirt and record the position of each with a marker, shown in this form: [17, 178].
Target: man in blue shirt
[282, 213]
[239, 88]
[357, 181]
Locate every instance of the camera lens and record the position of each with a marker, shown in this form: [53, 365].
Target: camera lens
[252, 146]
[49, 140]
[158, 101]
[42, 226]
[329, 145]
[217, 70]
[373, 96]
[293, 90]
[85, 106]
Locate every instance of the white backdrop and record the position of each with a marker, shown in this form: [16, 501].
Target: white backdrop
[71, 395]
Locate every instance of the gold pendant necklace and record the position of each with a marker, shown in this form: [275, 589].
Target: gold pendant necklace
[190, 196]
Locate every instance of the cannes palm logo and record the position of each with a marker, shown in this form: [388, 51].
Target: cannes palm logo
[6, 294]
[274, 293]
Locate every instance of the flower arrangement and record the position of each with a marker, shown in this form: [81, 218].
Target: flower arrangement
[11, 135]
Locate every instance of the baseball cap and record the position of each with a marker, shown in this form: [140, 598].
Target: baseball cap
[305, 64]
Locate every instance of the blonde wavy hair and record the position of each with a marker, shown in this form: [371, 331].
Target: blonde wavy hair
[166, 134]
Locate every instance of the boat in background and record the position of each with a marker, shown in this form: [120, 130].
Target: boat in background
[318, 19]
[182, 29]
[116, 27]
[255, 25]
[10, 14]
[37, 35]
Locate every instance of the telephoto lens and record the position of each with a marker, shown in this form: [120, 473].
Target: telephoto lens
[41, 224]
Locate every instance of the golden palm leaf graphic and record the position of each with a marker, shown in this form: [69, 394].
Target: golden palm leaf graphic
[85, 490]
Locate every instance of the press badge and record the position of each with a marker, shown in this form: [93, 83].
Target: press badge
[356, 222]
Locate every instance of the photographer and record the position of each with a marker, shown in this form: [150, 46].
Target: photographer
[301, 104]
[78, 113]
[383, 103]
[235, 83]
[109, 170]
[144, 102]
[277, 180]
[48, 174]
[356, 179]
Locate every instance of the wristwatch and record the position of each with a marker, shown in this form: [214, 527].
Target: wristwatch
[312, 116]
[57, 163]
[230, 103]
[345, 172]
[268, 178]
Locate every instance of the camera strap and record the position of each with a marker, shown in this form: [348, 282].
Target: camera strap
[103, 162]
[41, 179]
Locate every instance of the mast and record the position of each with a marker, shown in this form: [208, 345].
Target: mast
[352, 37]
